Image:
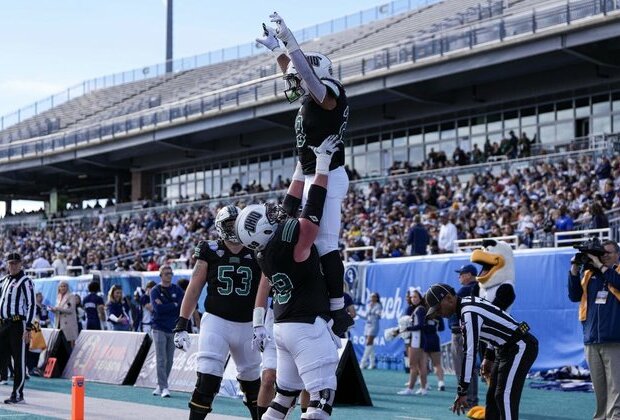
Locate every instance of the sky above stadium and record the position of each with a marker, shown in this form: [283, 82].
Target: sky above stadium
[51, 45]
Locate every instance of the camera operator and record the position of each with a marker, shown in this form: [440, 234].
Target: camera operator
[598, 291]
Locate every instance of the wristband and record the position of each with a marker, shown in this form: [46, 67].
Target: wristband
[462, 390]
[181, 324]
[258, 317]
[278, 51]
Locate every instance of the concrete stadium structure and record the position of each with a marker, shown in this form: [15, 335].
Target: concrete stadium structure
[421, 79]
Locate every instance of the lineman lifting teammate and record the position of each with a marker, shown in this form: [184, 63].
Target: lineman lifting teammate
[324, 111]
[232, 276]
[307, 353]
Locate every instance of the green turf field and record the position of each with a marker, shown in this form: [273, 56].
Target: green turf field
[382, 385]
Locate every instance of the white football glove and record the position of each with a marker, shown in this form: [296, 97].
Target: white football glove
[182, 341]
[260, 338]
[325, 152]
[283, 33]
[298, 175]
[269, 39]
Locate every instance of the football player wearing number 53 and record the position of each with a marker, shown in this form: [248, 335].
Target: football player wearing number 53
[231, 274]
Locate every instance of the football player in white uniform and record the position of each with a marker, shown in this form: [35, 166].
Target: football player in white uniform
[232, 275]
[324, 111]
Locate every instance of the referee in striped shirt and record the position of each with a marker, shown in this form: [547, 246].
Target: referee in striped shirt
[481, 320]
[17, 309]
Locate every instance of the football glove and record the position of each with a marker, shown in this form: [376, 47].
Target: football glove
[325, 152]
[260, 338]
[182, 340]
[269, 39]
[342, 321]
[283, 33]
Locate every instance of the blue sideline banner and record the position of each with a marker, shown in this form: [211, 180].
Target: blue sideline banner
[541, 289]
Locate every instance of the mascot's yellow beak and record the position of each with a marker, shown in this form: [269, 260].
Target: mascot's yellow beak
[490, 263]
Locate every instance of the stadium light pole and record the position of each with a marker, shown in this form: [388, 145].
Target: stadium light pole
[169, 36]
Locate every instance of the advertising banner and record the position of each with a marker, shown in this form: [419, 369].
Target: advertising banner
[541, 300]
[105, 356]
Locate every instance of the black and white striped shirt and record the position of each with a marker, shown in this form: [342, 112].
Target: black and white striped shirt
[481, 320]
[17, 298]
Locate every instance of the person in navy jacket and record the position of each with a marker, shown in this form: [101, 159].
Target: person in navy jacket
[166, 299]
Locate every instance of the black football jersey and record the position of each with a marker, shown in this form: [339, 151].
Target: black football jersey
[313, 124]
[232, 280]
[299, 290]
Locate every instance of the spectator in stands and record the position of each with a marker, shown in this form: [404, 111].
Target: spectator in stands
[476, 155]
[564, 222]
[60, 264]
[514, 145]
[374, 310]
[152, 264]
[115, 310]
[40, 262]
[602, 171]
[418, 238]
[166, 299]
[65, 313]
[598, 291]
[526, 238]
[138, 264]
[525, 145]
[94, 307]
[447, 234]
[599, 218]
[235, 188]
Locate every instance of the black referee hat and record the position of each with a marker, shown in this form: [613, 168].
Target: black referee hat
[14, 256]
[435, 295]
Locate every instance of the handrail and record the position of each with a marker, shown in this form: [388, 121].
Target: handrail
[211, 57]
[360, 248]
[266, 89]
[469, 244]
[570, 237]
[36, 273]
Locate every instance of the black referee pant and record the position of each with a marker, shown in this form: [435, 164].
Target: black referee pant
[12, 345]
[512, 363]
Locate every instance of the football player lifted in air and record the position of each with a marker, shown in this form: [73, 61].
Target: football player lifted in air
[232, 276]
[324, 111]
[307, 353]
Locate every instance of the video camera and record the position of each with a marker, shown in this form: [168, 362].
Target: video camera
[593, 247]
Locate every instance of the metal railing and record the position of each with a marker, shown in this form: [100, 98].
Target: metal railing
[574, 236]
[347, 251]
[468, 245]
[212, 57]
[366, 64]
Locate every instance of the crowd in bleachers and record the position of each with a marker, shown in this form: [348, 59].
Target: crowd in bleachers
[531, 203]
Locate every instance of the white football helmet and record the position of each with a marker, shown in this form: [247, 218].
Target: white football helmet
[322, 67]
[256, 225]
[225, 223]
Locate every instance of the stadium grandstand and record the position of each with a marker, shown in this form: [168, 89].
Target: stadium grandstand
[502, 116]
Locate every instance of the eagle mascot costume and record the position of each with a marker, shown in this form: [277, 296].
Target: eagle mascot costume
[496, 281]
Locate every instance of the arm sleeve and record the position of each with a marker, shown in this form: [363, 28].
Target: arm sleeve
[30, 303]
[574, 288]
[161, 308]
[471, 328]
[316, 88]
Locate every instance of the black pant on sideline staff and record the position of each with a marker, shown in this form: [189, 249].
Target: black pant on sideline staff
[511, 360]
[12, 344]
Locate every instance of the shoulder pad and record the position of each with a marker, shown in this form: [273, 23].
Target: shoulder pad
[204, 248]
